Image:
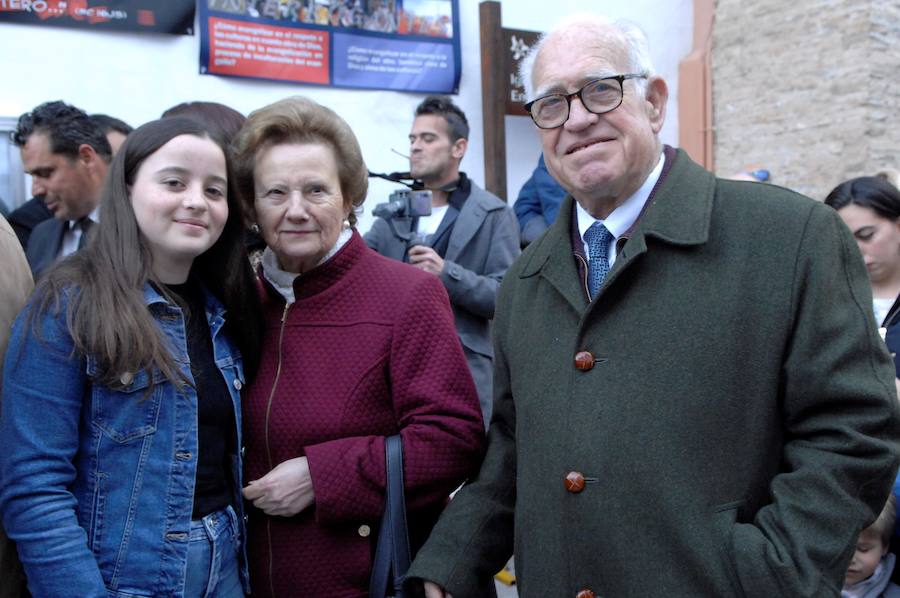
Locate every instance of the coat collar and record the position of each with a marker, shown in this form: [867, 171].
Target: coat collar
[470, 218]
[678, 212]
[153, 297]
[324, 275]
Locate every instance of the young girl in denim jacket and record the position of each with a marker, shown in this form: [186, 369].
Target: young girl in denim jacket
[121, 461]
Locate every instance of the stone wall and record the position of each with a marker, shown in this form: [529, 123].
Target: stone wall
[808, 89]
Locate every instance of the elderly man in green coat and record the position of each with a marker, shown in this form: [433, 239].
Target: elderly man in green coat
[691, 396]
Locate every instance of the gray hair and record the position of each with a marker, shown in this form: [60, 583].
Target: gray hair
[631, 36]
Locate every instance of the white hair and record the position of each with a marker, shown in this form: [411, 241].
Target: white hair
[630, 34]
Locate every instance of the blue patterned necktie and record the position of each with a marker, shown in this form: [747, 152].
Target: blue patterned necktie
[598, 240]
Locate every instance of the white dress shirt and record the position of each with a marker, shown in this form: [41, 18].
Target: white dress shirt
[623, 217]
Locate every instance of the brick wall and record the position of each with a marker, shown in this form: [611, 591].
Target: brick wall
[809, 89]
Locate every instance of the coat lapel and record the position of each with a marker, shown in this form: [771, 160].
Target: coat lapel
[678, 213]
[554, 261]
[448, 221]
[44, 244]
[467, 224]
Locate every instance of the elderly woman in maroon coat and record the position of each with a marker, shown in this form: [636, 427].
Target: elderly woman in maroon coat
[358, 347]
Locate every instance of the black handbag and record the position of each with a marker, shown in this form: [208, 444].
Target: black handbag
[392, 554]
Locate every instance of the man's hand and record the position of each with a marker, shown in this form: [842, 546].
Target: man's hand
[426, 258]
[284, 491]
[432, 590]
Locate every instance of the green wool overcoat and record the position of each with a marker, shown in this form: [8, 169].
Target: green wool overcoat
[737, 430]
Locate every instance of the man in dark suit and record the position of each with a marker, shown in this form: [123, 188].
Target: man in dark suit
[691, 397]
[67, 156]
[34, 211]
[469, 240]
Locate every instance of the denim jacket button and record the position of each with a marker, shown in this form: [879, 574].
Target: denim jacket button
[243, 451]
[237, 384]
[126, 378]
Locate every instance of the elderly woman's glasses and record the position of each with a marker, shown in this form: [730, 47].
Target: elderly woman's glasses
[599, 96]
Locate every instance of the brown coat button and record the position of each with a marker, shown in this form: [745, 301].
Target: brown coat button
[574, 482]
[584, 360]
[585, 594]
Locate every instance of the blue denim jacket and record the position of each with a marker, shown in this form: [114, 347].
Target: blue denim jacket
[96, 483]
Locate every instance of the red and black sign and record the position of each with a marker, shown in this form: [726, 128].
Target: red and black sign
[172, 16]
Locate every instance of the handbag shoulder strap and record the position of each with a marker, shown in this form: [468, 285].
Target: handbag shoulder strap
[392, 555]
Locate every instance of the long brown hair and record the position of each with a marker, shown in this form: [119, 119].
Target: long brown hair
[103, 284]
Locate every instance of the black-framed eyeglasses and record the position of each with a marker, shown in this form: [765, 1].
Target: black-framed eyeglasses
[598, 96]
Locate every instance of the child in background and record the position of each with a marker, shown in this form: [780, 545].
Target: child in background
[869, 574]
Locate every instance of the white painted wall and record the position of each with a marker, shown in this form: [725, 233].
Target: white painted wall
[136, 77]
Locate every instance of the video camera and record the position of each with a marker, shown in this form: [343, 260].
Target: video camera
[404, 203]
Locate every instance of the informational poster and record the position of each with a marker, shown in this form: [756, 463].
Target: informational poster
[401, 45]
[146, 16]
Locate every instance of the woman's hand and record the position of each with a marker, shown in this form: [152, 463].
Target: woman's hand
[284, 491]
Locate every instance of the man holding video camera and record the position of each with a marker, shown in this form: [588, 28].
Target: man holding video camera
[469, 240]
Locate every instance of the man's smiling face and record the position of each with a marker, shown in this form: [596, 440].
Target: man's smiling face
[599, 159]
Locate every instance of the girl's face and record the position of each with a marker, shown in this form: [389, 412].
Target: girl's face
[878, 239]
[180, 203]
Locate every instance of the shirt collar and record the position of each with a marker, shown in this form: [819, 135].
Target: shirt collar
[623, 217]
[94, 217]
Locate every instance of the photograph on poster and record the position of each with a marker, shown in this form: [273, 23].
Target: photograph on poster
[427, 17]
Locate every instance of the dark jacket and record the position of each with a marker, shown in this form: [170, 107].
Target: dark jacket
[367, 350]
[44, 245]
[891, 326]
[538, 202]
[24, 218]
[736, 422]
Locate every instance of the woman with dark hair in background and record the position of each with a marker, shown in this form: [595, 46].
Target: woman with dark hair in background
[121, 428]
[357, 347]
[870, 206]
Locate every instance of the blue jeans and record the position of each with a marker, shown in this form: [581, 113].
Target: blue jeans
[213, 569]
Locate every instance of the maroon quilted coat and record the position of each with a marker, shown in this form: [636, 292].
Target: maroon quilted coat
[368, 349]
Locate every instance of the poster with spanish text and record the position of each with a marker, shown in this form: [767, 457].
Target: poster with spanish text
[400, 45]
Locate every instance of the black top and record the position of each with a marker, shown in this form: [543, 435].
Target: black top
[892, 335]
[215, 414]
